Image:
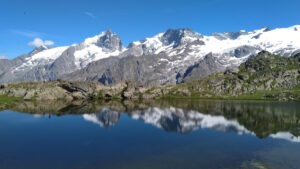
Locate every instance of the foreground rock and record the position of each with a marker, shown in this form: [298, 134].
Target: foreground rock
[63, 90]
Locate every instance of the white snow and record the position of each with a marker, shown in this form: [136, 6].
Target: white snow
[94, 39]
[46, 56]
[272, 41]
[136, 43]
[90, 52]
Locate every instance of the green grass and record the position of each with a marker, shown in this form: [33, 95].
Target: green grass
[5, 99]
[254, 96]
[258, 95]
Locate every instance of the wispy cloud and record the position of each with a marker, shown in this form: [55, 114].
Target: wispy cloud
[30, 34]
[37, 42]
[90, 14]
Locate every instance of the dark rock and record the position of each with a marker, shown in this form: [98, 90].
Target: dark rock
[201, 69]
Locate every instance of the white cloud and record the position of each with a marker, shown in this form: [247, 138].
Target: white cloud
[90, 14]
[37, 42]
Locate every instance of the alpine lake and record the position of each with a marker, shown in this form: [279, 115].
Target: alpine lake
[160, 134]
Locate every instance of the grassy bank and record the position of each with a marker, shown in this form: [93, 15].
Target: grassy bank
[272, 95]
[6, 100]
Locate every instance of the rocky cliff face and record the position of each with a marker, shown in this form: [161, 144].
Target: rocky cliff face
[201, 69]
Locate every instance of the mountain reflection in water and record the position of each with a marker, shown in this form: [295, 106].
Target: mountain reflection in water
[181, 121]
[280, 120]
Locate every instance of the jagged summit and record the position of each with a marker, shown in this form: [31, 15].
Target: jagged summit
[179, 36]
[108, 40]
[38, 49]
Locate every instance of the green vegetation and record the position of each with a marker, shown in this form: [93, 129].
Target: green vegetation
[5, 99]
[272, 95]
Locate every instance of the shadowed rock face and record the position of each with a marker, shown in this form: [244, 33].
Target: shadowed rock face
[138, 69]
[244, 51]
[201, 69]
[263, 119]
[175, 36]
[142, 70]
[64, 64]
[110, 41]
[228, 35]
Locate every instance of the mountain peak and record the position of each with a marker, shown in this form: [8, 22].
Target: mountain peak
[38, 49]
[266, 29]
[107, 40]
[110, 41]
[179, 36]
[109, 31]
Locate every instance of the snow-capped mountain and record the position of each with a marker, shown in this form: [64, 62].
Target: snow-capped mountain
[176, 55]
[281, 41]
[181, 55]
[45, 63]
[40, 56]
[229, 46]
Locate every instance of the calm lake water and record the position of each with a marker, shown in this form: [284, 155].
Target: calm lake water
[174, 134]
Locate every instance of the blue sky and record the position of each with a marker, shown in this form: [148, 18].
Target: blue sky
[70, 21]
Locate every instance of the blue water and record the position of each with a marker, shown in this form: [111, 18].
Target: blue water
[165, 137]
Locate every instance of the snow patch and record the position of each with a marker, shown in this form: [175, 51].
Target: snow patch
[92, 53]
[44, 57]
